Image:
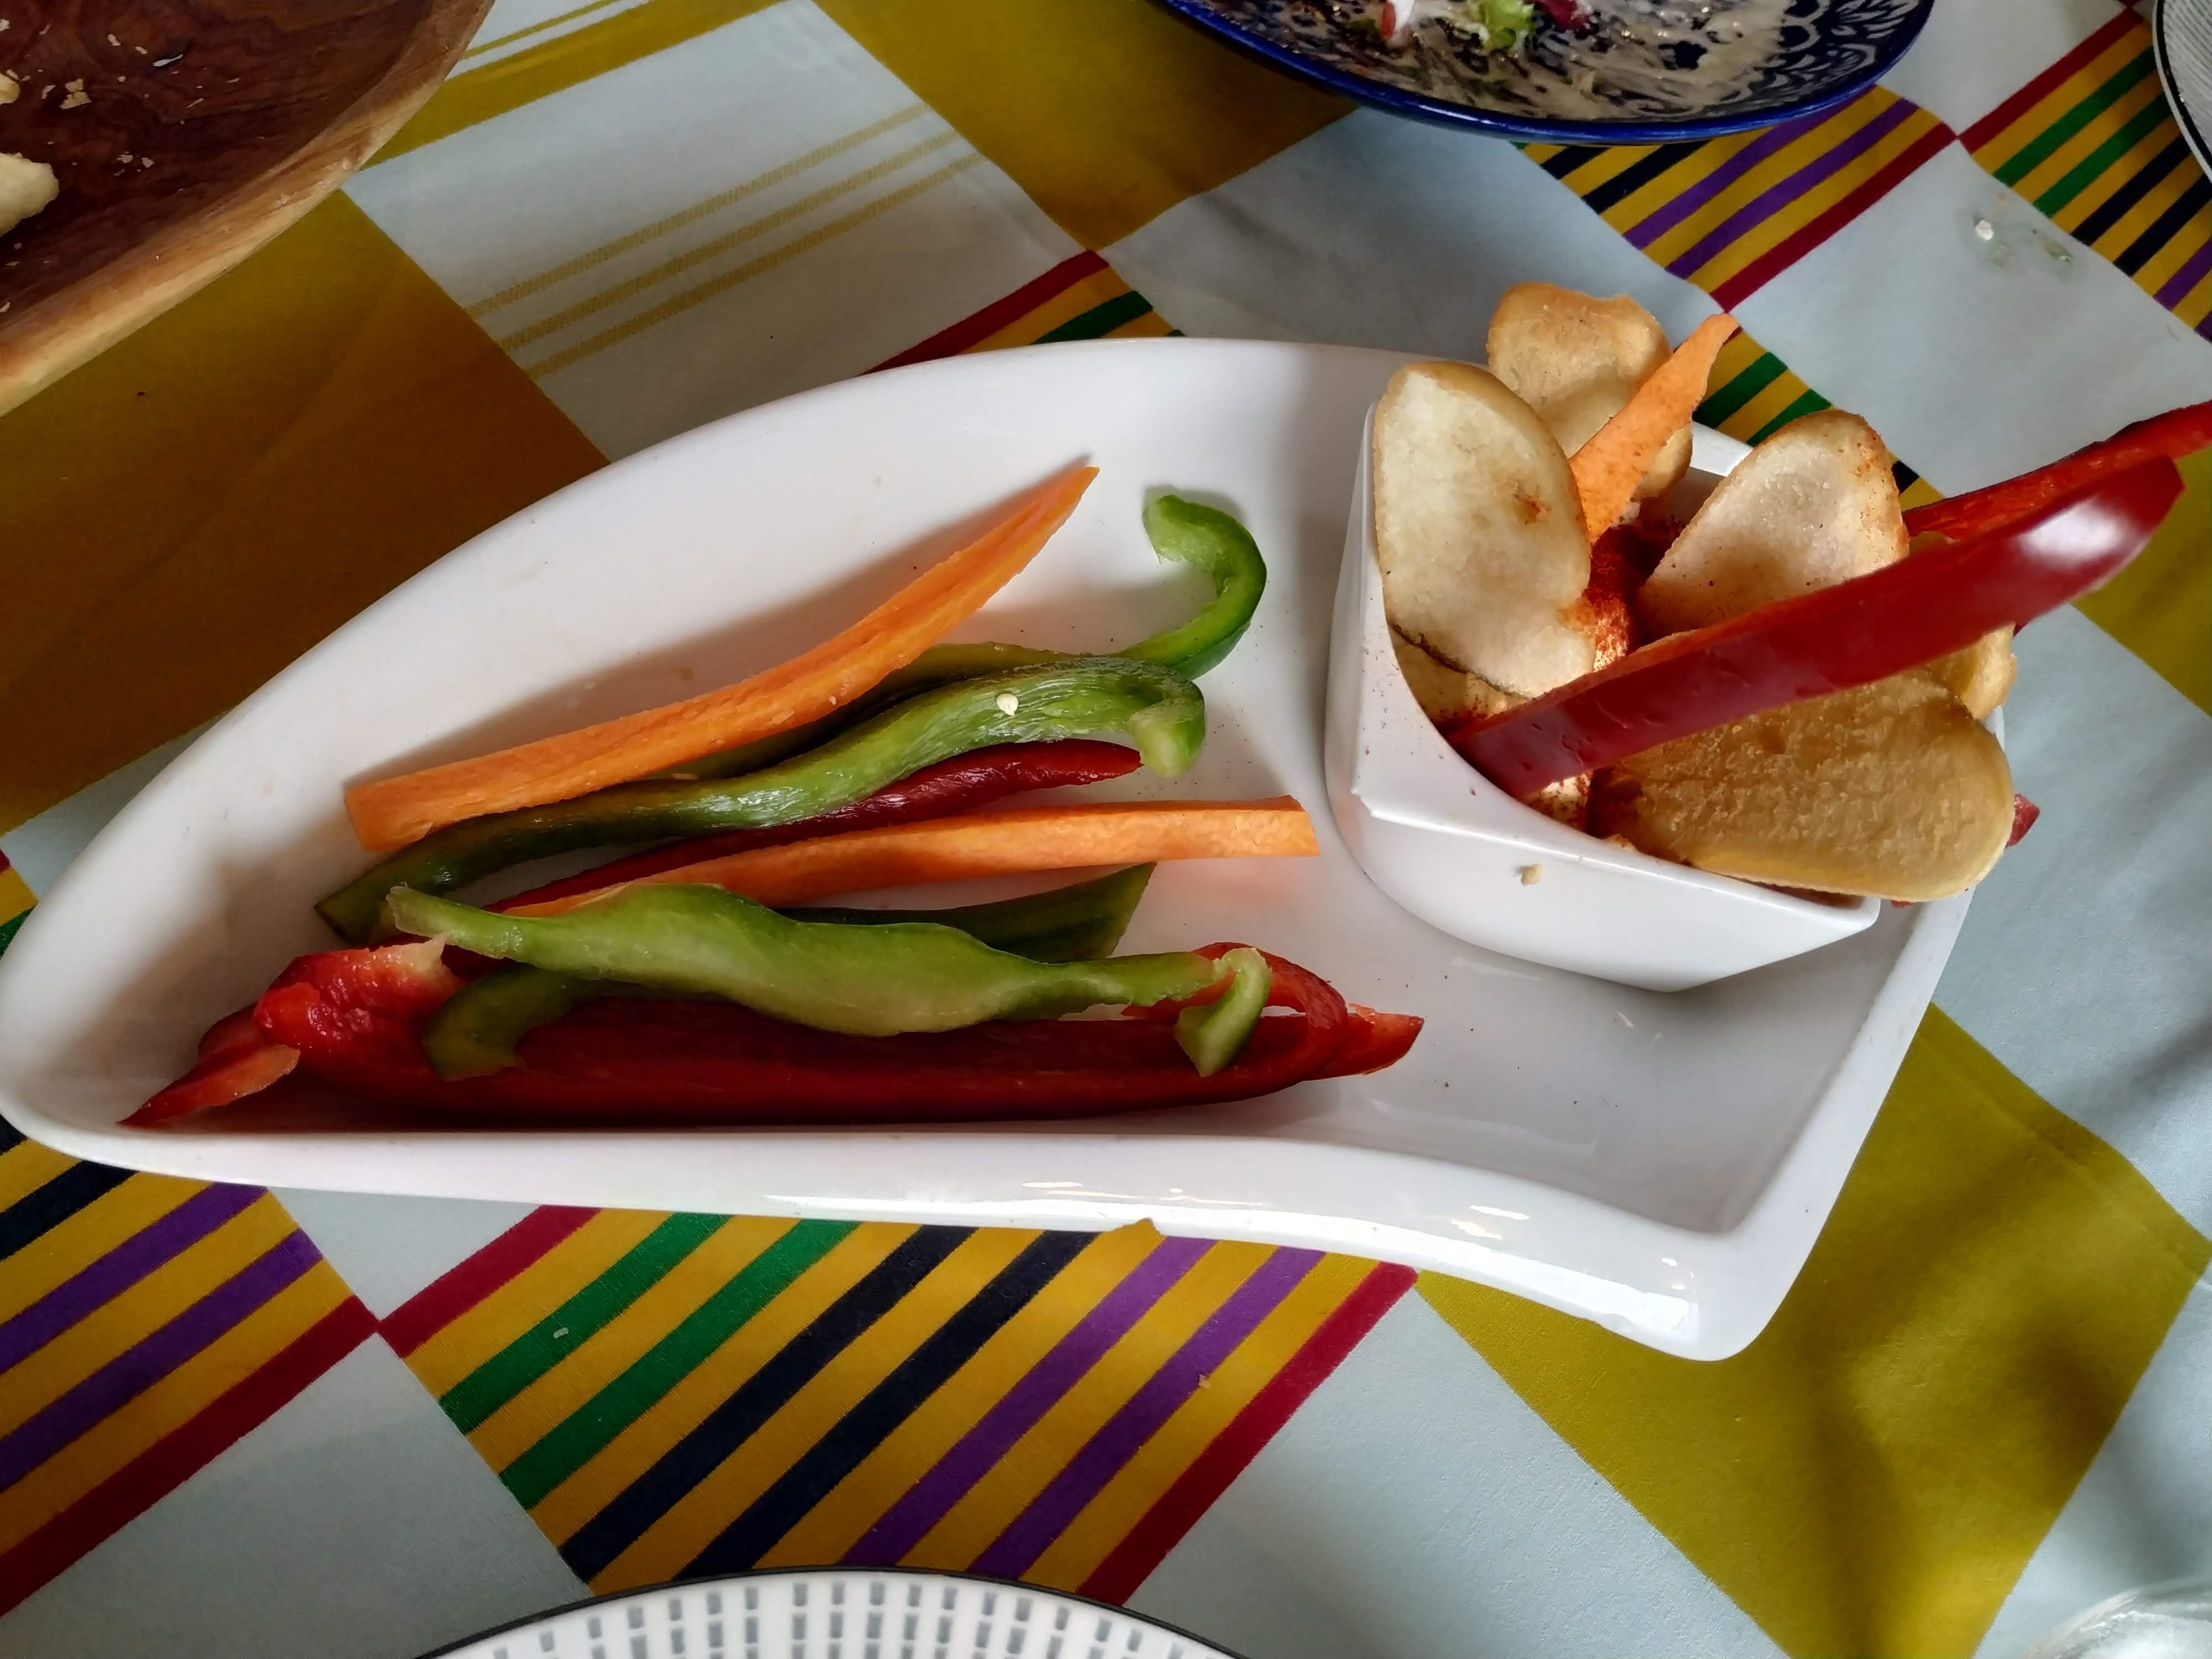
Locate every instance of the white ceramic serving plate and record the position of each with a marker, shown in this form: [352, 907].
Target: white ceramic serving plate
[1453, 848]
[1658, 1163]
[837, 1613]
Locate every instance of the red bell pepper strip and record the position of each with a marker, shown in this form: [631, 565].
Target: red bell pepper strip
[355, 1018]
[1853, 634]
[2169, 436]
[235, 1060]
[372, 1004]
[972, 779]
[1373, 1041]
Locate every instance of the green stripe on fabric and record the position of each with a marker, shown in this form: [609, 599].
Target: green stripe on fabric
[586, 1431]
[553, 1338]
[1100, 319]
[477, 96]
[1811, 403]
[9, 928]
[2077, 180]
[2041, 147]
[1724, 401]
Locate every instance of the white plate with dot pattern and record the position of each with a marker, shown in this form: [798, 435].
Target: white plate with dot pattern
[2182, 32]
[838, 1612]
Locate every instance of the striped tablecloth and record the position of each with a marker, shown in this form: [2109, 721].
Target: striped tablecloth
[252, 1423]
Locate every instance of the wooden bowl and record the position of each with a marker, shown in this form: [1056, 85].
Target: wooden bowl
[202, 128]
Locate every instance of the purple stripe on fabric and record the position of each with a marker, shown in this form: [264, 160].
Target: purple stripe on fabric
[1013, 1551]
[2191, 273]
[1767, 205]
[115, 1273]
[1664, 217]
[908, 1521]
[132, 1372]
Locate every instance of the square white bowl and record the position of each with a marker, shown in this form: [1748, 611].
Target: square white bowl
[1465, 856]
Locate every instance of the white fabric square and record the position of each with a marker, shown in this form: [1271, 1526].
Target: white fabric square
[761, 211]
[1976, 357]
[1380, 232]
[356, 1523]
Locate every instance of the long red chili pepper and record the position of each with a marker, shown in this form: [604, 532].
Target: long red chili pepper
[352, 1020]
[2169, 436]
[965, 781]
[1853, 634]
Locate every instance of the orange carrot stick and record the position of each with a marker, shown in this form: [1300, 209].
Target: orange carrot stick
[1016, 840]
[394, 811]
[1610, 465]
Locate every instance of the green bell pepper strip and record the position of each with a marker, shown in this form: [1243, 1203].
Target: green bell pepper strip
[1214, 1033]
[477, 1031]
[1182, 532]
[1209, 540]
[832, 976]
[1075, 923]
[1157, 710]
[939, 666]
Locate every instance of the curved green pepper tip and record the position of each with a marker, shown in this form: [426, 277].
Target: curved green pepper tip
[1211, 541]
[1215, 1033]
[1182, 531]
[475, 1033]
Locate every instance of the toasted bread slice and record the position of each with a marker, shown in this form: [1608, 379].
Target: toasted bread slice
[1814, 505]
[1479, 529]
[1447, 694]
[1444, 692]
[1981, 675]
[1607, 611]
[1893, 789]
[1566, 801]
[1576, 359]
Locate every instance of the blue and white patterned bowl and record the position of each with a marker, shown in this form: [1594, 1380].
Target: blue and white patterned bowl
[1825, 52]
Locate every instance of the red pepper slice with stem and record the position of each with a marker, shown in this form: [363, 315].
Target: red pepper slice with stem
[2169, 436]
[974, 779]
[333, 999]
[1853, 634]
[354, 1020]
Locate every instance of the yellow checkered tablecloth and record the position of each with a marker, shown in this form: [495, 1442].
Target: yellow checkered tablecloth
[244, 1422]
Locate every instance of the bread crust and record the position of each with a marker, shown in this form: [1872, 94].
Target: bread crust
[1479, 528]
[1575, 359]
[1893, 789]
[1814, 505]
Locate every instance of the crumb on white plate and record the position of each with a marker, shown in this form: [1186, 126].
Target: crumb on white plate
[1531, 874]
